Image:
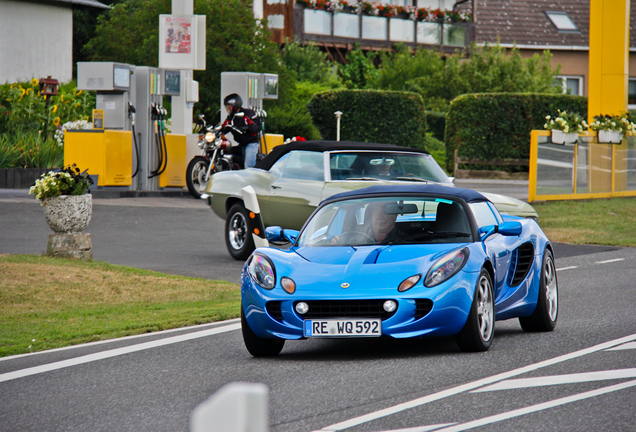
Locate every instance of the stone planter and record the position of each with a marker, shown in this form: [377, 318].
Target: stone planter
[68, 213]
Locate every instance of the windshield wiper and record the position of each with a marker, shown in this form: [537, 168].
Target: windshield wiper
[364, 178]
[411, 178]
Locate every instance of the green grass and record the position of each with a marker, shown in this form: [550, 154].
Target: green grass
[53, 302]
[601, 221]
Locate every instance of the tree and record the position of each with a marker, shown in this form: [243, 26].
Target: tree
[235, 41]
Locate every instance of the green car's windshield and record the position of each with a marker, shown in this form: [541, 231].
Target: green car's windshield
[385, 165]
[388, 220]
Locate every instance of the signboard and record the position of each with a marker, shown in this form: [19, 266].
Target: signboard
[181, 41]
[98, 119]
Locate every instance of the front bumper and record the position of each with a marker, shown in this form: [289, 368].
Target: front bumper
[421, 311]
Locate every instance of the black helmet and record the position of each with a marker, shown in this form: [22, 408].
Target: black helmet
[233, 100]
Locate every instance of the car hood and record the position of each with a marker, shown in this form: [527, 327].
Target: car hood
[364, 267]
[511, 206]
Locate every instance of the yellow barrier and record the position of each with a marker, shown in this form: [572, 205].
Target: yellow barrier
[582, 170]
[269, 141]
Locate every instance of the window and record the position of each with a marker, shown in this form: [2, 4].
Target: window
[483, 214]
[631, 94]
[562, 22]
[304, 165]
[572, 85]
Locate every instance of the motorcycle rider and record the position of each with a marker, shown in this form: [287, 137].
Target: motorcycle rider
[245, 127]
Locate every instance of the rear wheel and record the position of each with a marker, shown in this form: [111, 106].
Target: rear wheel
[258, 346]
[479, 329]
[544, 317]
[238, 235]
[195, 176]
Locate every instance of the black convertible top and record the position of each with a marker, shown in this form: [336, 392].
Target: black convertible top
[322, 146]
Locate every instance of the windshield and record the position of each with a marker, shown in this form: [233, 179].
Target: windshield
[387, 220]
[385, 166]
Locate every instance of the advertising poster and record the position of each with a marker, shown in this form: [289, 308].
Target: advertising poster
[182, 42]
[177, 34]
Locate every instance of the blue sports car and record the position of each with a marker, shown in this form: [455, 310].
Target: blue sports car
[400, 261]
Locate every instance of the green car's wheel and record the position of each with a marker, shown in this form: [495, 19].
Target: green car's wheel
[479, 329]
[544, 317]
[238, 235]
[258, 346]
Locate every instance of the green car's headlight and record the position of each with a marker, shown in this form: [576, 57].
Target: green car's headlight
[446, 267]
[262, 271]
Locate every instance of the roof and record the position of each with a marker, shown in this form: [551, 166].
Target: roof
[90, 3]
[467, 195]
[322, 146]
[525, 24]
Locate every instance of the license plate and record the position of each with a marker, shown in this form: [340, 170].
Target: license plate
[343, 328]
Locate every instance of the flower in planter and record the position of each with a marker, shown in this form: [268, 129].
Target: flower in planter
[67, 181]
[367, 8]
[385, 10]
[566, 121]
[618, 123]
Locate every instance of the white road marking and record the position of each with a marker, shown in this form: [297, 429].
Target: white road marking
[559, 379]
[471, 386]
[539, 407]
[610, 261]
[422, 428]
[567, 268]
[114, 352]
[630, 345]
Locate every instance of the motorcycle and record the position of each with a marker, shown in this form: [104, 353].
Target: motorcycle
[216, 156]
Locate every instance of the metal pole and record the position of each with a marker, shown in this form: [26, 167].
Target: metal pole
[338, 115]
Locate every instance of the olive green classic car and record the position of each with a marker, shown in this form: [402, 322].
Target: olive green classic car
[294, 178]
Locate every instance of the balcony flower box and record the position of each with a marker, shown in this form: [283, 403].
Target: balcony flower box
[346, 25]
[429, 33]
[374, 27]
[317, 22]
[402, 30]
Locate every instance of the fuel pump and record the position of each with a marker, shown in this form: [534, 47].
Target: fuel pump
[133, 149]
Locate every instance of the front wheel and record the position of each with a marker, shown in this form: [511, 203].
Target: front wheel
[238, 235]
[479, 329]
[256, 345]
[195, 176]
[544, 317]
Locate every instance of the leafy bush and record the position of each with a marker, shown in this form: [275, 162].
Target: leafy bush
[68, 181]
[497, 125]
[25, 111]
[28, 150]
[371, 116]
[436, 123]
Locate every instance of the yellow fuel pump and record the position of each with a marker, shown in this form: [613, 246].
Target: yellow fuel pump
[106, 154]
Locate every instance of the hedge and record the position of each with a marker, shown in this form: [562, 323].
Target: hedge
[389, 117]
[497, 125]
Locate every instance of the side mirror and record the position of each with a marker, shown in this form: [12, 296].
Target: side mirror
[277, 234]
[510, 228]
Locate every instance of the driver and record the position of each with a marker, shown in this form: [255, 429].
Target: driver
[379, 226]
[382, 223]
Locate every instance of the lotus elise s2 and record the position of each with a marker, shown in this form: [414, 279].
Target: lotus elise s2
[401, 261]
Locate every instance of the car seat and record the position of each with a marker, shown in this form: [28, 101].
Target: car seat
[451, 218]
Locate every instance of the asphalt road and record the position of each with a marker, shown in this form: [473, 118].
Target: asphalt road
[580, 377]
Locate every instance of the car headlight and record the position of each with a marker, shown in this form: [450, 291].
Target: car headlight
[446, 267]
[209, 137]
[262, 271]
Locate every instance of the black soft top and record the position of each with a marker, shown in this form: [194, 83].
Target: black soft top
[322, 146]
